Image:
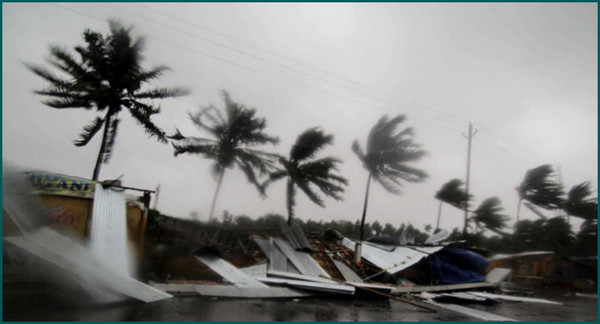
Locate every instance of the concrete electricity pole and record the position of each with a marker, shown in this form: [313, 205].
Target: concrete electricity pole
[469, 137]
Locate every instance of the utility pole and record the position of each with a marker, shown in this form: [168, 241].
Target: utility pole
[156, 196]
[469, 137]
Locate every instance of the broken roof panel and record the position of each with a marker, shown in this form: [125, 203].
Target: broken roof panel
[301, 260]
[250, 292]
[296, 238]
[277, 260]
[346, 271]
[394, 261]
[226, 270]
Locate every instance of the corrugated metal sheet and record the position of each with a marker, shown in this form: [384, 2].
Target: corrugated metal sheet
[296, 238]
[312, 285]
[301, 260]
[277, 260]
[346, 271]
[108, 237]
[438, 237]
[392, 261]
[250, 292]
[514, 298]
[227, 271]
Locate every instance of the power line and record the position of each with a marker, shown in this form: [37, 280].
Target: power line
[490, 133]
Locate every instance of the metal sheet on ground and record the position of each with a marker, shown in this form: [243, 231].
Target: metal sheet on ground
[296, 238]
[400, 290]
[277, 260]
[485, 316]
[256, 270]
[227, 271]
[71, 256]
[497, 275]
[249, 292]
[175, 287]
[332, 288]
[294, 276]
[301, 260]
[346, 271]
[514, 298]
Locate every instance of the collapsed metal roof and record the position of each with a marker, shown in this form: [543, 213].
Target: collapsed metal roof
[392, 259]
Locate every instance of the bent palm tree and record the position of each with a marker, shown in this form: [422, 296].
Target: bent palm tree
[387, 157]
[452, 194]
[488, 215]
[106, 76]
[539, 189]
[306, 173]
[234, 136]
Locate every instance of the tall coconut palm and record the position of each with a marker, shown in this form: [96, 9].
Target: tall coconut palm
[234, 136]
[452, 194]
[539, 189]
[105, 75]
[387, 158]
[488, 215]
[307, 173]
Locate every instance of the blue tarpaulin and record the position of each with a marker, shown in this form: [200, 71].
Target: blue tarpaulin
[454, 266]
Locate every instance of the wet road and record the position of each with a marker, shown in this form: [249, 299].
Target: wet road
[32, 302]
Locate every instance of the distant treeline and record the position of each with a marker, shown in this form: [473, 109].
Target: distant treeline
[540, 235]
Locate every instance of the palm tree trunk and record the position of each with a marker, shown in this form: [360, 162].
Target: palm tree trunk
[437, 225]
[290, 201]
[364, 214]
[212, 206]
[102, 149]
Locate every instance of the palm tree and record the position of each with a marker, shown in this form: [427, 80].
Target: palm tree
[233, 137]
[387, 157]
[488, 215]
[539, 189]
[106, 75]
[304, 172]
[452, 193]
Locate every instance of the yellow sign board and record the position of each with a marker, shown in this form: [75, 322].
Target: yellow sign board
[56, 184]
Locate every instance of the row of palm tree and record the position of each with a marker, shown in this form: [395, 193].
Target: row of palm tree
[106, 75]
[538, 189]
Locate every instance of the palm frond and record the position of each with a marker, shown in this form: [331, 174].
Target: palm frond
[273, 177]
[161, 93]
[539, 189]
[452, 193]
[208, 150]
[89, 131]
[305, 187]
[488, 214]
[309, 143]
[141, 112]
[388, 152]
[248, 170]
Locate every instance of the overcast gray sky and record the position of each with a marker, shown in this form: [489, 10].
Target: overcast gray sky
[525, 75]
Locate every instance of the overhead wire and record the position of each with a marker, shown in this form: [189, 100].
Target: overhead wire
[492, 135]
